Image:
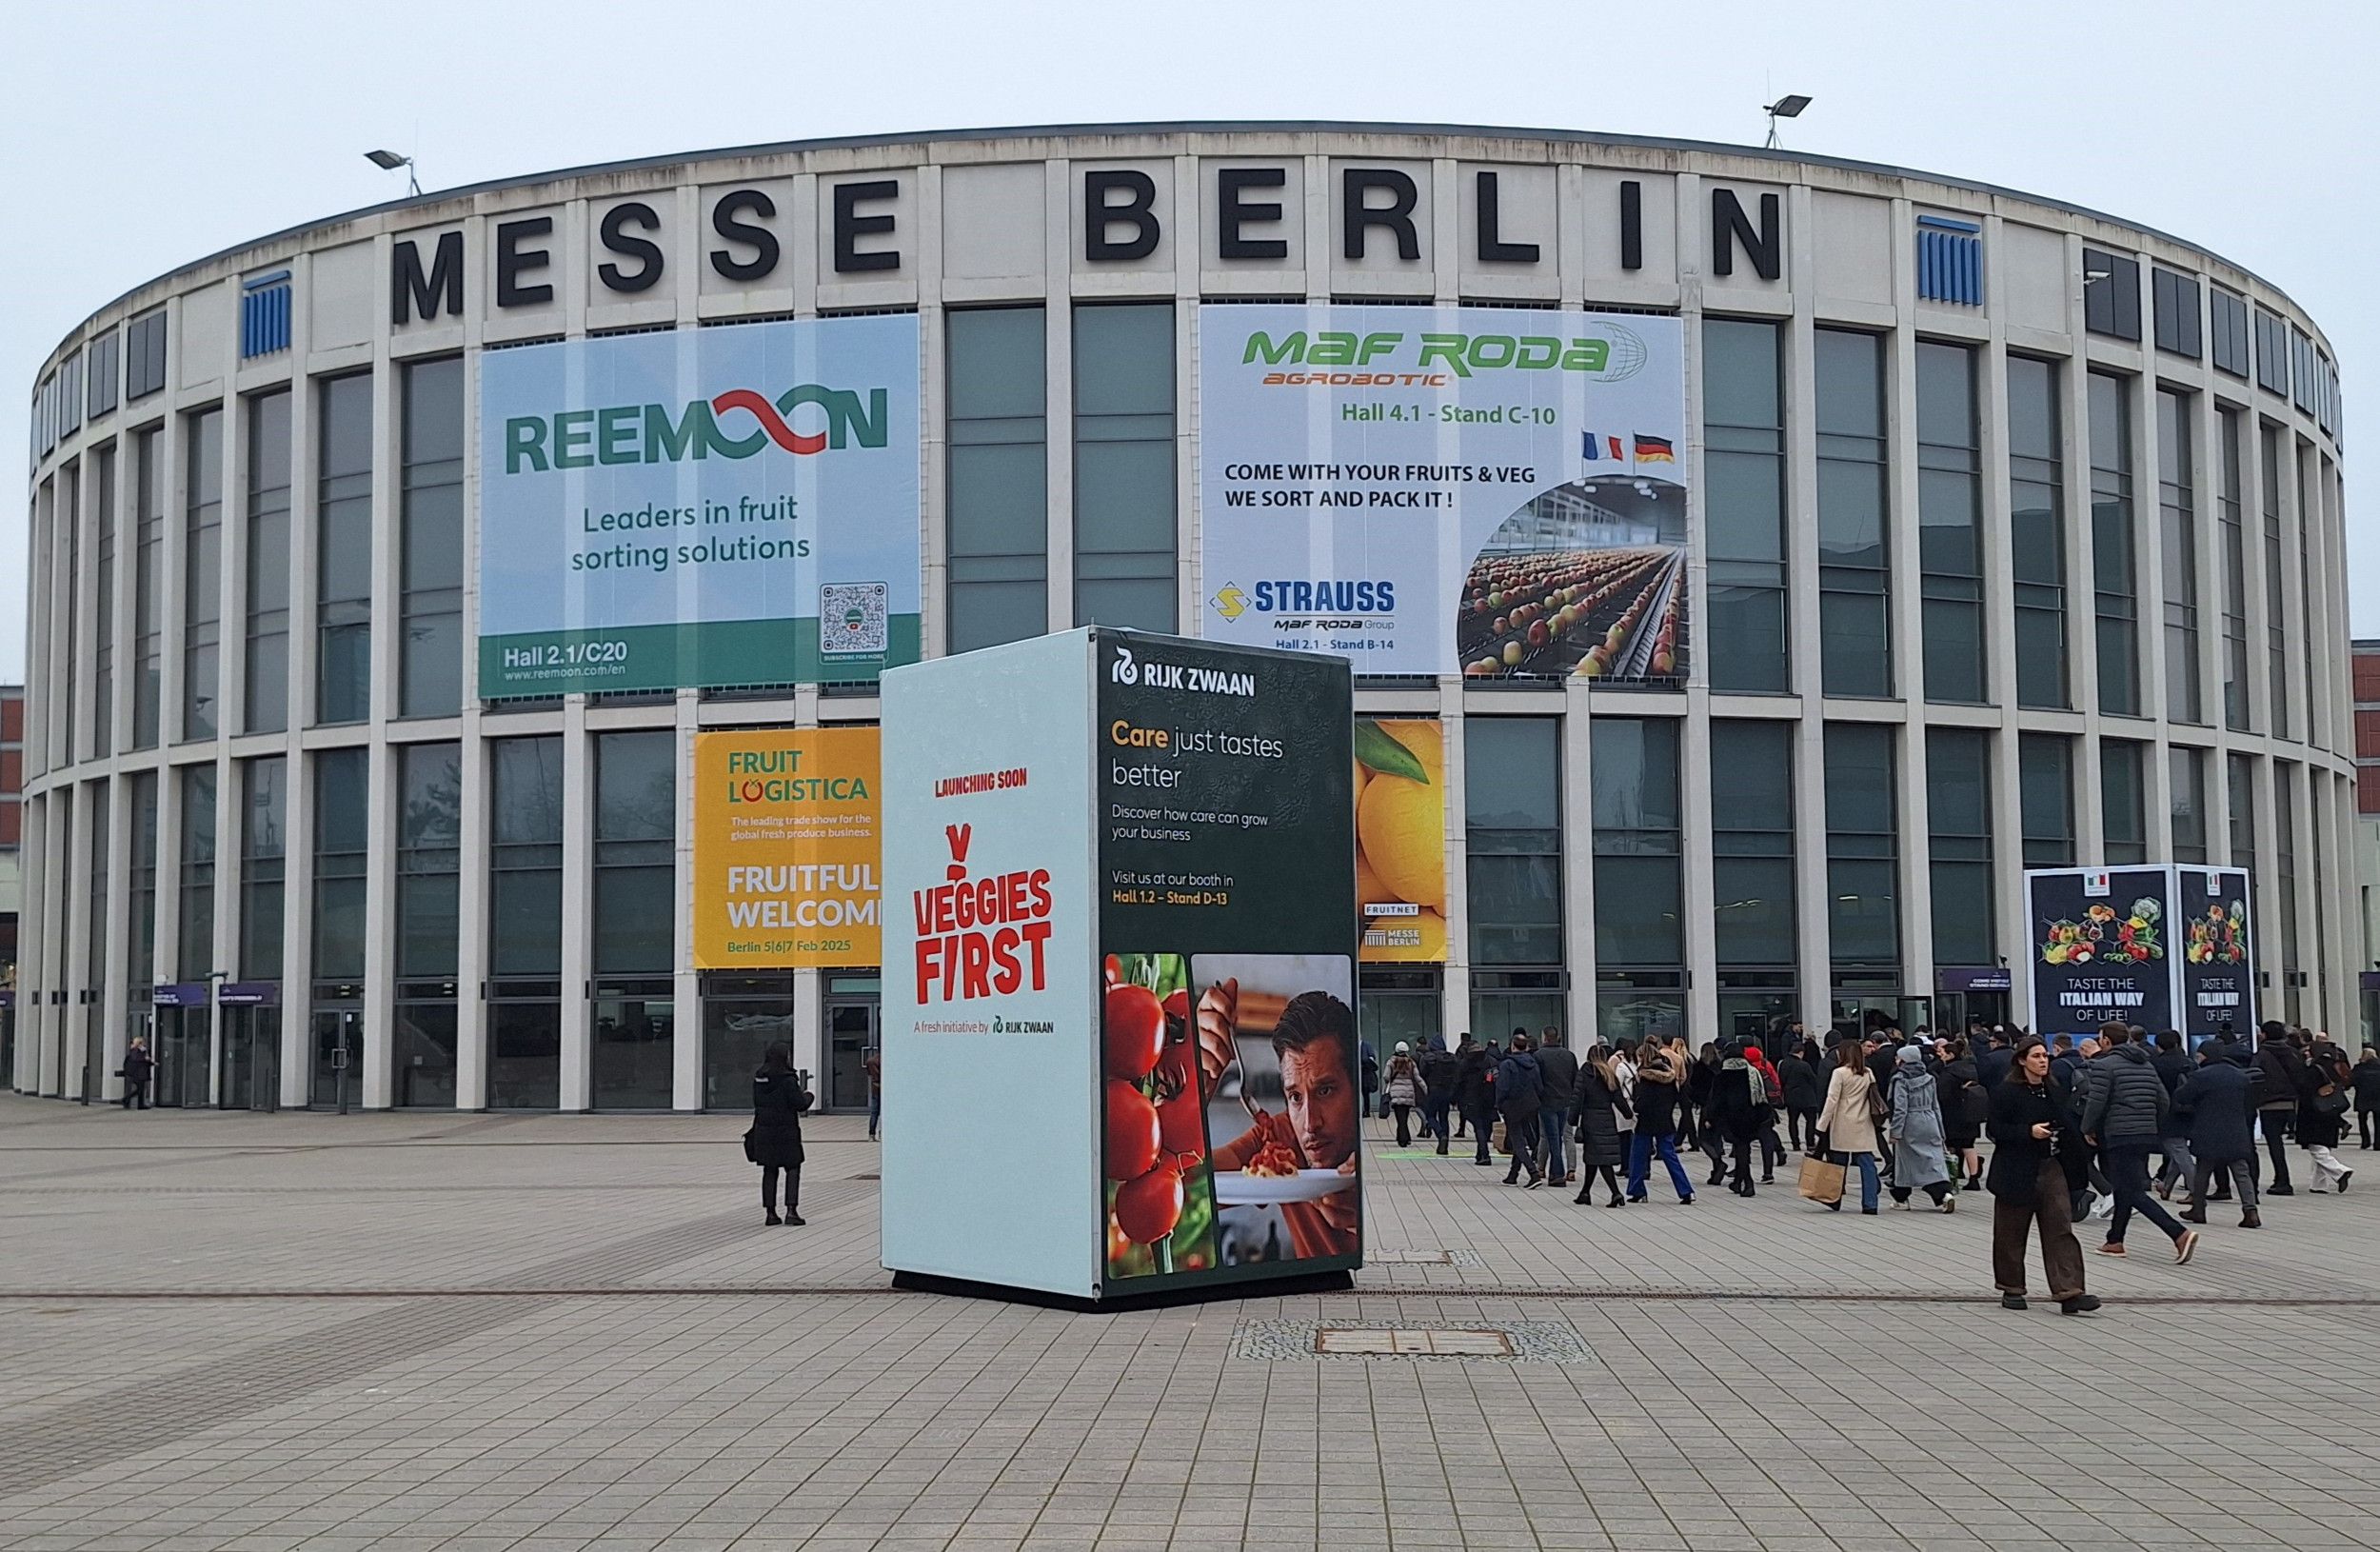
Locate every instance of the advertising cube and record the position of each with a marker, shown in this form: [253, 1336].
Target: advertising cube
[1120, 928]
[2161, 945]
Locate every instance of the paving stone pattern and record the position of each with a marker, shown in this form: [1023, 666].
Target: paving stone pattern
[418, 1331]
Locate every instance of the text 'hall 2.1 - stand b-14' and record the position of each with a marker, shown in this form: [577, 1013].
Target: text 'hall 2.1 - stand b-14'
[1119, 1051]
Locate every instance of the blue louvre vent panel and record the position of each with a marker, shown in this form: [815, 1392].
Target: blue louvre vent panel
[264, 314]
[1949, 261]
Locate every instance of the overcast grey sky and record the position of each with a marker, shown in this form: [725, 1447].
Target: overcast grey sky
[135, 137]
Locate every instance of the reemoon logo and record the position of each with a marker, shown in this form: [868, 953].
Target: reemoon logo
[652, 433]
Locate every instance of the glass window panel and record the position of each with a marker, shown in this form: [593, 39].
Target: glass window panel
[1754, 913]
[433, 550]
[1638, 911]
[2046, 799]
[1636, 787]
[344, 551]
[2123, 803]
[1512, 775]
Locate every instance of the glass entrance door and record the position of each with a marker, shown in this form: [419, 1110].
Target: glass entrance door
[184, 1057]
[850, 1039]
[249, 1059]
[338, 1044]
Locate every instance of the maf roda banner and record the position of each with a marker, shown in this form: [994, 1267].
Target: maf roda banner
[1499, 493]
[788, 848]
[703, 506]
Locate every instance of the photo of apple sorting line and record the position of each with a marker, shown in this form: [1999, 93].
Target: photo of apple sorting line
[1258, 1051]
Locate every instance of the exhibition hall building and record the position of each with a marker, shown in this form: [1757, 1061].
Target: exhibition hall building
[456, 625]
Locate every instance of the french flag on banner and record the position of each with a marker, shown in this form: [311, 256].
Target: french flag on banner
[1597, 450]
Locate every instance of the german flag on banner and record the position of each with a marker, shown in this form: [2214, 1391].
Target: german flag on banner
[1654, 450]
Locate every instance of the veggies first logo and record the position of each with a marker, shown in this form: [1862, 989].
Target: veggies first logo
[649, 434]
[981, 937]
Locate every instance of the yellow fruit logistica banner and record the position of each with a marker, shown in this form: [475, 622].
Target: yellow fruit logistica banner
[788, 848]
[1401, 839]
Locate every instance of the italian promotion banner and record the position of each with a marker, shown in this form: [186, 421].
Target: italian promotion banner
[788, 848]
[2217, 951]
[2101, 946]
[699, 506]
[1498, 492]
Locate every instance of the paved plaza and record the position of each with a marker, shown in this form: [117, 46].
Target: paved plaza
[474, 1333]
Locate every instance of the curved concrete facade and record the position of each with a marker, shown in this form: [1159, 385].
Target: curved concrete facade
[255, 491]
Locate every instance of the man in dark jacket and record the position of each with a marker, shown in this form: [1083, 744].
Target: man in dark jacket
[1473, 1093]
[2125, 1117]
[1439, 1074]
[1805, 1093]
[1519, 1094]
[2282, 1071]
[1992, 1062]
[2217, 1104]
[2173, 1065]
[1558, 1067]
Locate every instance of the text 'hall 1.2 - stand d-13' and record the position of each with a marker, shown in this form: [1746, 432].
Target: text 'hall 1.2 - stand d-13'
[1120, 1055]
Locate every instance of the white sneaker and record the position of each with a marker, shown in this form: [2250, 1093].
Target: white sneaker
[2101, 1207]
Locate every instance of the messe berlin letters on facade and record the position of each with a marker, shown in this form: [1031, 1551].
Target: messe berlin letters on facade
[787, 849]
[699, 506]
[1496, 492]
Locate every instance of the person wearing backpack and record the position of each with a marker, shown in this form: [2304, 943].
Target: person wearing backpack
[1519, 1094]
[2322, 1115]
[1474, 1092]
[1966, 1104]
[1771, 1097]
[1404, 1091]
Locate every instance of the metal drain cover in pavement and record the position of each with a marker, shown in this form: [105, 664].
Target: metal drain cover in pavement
[1406, 1343]
[1424, 1257]
[1510, 1341]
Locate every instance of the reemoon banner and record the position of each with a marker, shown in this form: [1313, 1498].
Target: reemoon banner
[1499, 492]
[699, 506]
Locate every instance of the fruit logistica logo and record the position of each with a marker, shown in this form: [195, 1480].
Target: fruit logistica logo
[651, 433]
[981, 937]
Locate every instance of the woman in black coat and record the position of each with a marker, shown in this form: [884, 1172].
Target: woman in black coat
[1965, 1107]
[2030, 1133]
[775, 1141]
[1600, 1105]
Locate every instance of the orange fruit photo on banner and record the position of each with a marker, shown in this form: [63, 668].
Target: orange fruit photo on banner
[1401, 839]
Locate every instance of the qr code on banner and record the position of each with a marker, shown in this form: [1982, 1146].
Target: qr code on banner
[851, 618]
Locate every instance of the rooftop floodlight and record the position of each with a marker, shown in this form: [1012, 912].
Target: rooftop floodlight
[1787, 107]
[389, 161]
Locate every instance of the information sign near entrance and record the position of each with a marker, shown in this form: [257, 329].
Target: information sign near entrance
[1119, 1037]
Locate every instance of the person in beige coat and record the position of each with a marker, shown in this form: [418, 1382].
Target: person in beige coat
[1848, 1120]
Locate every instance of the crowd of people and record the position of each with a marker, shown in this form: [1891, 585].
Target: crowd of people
[2072, 1125]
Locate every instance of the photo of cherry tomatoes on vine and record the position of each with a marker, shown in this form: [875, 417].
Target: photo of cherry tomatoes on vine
[1113, 970]
[1133, 1035]
[1133, 1132]
[1147, 1208]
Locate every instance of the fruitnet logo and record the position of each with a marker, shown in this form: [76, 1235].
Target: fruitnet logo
[1126, 669]
[651, 433]
[981, 936]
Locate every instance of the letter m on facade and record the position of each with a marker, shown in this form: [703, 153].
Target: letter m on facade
[412, 293]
